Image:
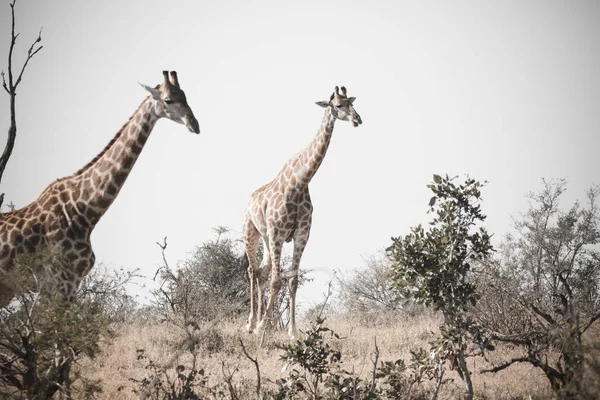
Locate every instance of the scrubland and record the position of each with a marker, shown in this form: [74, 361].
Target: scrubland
[219, 353]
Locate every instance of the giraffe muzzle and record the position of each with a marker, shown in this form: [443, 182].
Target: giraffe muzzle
[192, 124]
[356, 121]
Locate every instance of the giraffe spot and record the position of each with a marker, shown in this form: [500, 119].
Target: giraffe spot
[119, 178]
[86, 190]
[20, 224]
[75, 194]
[50, 203]
[35, 240]
[4, 251]
[96, 179]
[80, 246]
[104, 201]
[146, 127]
[112, 189]
[16, 237]
[128, 162]
[91, 213]
[64, 197]
[142, 140]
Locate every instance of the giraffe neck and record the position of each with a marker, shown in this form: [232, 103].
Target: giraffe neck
[310, 159]
[99, 182]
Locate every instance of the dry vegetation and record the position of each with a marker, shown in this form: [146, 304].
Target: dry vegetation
[220, 347]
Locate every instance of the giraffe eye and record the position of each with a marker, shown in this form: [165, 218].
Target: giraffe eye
[168, 101]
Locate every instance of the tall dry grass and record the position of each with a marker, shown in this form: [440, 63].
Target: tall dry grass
[220, 347]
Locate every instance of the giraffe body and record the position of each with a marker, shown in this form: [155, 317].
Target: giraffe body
[67, 211]
[281, 211]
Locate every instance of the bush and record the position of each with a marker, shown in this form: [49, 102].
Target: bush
[541, 292]
[42, 333]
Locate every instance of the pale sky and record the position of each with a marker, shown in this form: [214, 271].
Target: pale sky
[508, 93]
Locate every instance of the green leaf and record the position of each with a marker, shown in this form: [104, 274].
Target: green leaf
[432, 201]
[437, 178]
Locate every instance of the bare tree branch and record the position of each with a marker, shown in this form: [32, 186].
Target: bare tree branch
[591, 322]
[11, 87]
[505, 365]
[255, 362]
[30, 53]
[4, 82]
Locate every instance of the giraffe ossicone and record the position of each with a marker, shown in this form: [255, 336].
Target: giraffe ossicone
[65, 214]
[281, 211]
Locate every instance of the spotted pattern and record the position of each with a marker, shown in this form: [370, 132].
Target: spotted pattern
[67, 211]
[281, 211]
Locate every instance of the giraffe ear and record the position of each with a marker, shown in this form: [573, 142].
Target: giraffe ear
[323, 104]
[351, 99]
[153, 91]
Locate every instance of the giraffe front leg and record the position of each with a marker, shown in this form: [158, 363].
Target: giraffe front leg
[252, 317]
[79, 262]
[275, 286]
[251, 237]
[300, 240]
[262, 278]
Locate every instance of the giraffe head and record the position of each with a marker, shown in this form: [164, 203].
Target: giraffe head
[170, 102]
[342, 106]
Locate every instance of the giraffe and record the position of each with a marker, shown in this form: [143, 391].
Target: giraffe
[281, 211]
[67, 211]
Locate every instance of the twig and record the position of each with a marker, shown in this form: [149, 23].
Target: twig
[30, 53]
[228, 378]
[592, 320]
[373, 383]
[255, 362]
[505, 365]
[165, 265]
[327, 296]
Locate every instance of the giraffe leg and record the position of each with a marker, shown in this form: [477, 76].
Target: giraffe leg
[251, 237]
[263, 276]
[80, 261]
[275, 251]
[300, 240]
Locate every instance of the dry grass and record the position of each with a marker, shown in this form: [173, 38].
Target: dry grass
[118, 361]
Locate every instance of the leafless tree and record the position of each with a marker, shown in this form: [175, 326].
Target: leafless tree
[14, 79]
[543, 290]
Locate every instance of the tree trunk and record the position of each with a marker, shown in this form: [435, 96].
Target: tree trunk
[12, 134]
[465, 375]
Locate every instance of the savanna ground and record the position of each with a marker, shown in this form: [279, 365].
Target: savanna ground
[527, 313]
[220, 348]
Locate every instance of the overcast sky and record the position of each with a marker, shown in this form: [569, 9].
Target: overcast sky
[507, 93]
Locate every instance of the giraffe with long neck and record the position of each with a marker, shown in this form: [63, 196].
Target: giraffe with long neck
[65, 214]
[281, 211]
